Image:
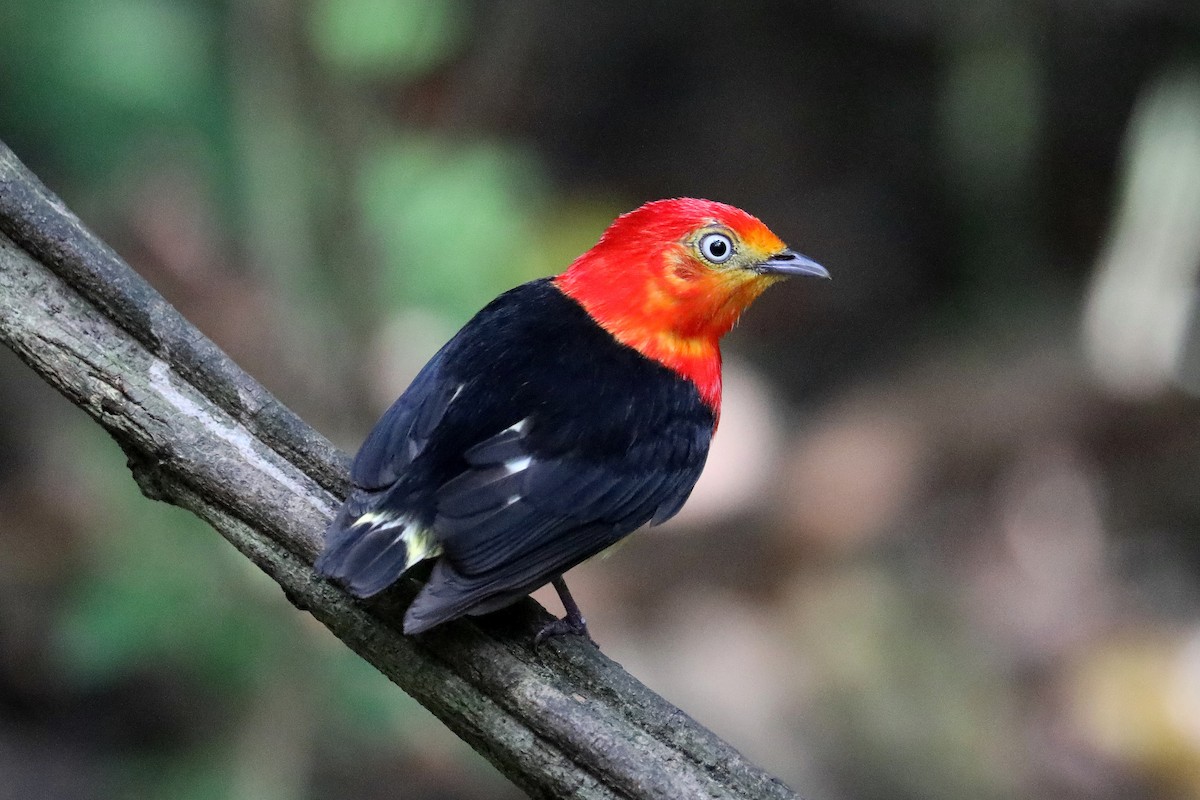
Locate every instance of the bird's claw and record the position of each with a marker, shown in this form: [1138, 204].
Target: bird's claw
[567, 626]
[572, 623]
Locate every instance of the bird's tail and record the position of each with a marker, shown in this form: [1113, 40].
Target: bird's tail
[369, 551]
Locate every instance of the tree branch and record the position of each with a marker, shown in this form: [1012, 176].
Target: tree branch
[203, 435]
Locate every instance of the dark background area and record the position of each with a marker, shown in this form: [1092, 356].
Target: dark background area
[948, 543]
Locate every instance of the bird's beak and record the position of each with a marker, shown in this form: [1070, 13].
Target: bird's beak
[790, 262]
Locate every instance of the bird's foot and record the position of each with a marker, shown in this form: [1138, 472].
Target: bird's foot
[570, 625]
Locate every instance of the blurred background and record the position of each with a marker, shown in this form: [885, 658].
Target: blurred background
[948, 544]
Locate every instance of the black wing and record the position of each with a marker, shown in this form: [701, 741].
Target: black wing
[556, 487]
[514, 520]
[513, 503]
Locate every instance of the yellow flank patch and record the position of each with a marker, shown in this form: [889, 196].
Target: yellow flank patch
[421, 545]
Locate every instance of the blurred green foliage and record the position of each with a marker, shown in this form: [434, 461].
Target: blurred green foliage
[454, 221]
[385, 37]
[86, 79]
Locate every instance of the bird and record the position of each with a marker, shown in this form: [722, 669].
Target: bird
[567, 413]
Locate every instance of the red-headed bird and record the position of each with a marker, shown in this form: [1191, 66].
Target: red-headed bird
[567, 413]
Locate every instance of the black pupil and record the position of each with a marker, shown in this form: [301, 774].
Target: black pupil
[717, 248]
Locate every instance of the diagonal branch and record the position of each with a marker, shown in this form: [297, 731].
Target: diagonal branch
[203, 435]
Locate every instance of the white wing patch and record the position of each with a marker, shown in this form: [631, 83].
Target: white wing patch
[515, 465]
[380, 521]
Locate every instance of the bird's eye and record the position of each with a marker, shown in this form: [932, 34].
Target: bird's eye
[716, 247]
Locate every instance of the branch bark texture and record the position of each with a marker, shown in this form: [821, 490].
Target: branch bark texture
[200, 433]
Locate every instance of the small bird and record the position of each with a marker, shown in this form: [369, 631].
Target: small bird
[567, 413]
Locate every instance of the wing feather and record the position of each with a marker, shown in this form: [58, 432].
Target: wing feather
[405, 429]
[554, 510]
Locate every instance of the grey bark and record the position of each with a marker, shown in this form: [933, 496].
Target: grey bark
[200, 433]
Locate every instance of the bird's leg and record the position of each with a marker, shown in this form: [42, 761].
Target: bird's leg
[573, 623]
[574, 618]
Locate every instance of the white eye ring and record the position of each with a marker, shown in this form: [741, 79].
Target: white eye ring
[716, 247]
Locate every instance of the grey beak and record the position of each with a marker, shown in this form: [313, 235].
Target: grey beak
[790, 262]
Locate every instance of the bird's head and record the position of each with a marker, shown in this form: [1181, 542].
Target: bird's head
[670, 278]
[677, 274]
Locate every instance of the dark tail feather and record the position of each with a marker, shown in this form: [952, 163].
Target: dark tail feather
[365, 555]
[449, 594]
